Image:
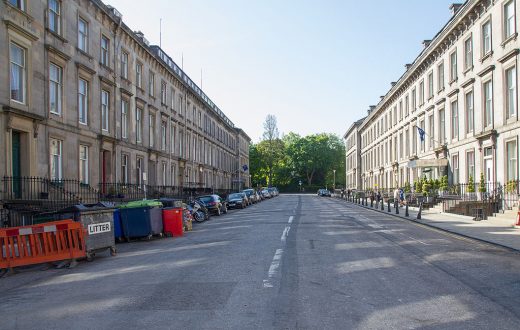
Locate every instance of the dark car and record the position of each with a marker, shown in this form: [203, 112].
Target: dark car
[214, 203]
[236, 200]
[251, 195]
[324, 192]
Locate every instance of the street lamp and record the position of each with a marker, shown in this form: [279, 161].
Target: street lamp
[334, 184]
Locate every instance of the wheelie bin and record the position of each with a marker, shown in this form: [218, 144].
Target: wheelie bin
[141, 219]
[172, 221]
[98, 221]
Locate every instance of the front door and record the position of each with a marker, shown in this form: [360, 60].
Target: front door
[488, 168]
[17, 169]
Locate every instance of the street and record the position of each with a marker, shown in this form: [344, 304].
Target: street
[291, 262]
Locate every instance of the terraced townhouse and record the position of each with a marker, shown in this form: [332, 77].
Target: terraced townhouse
[84, 97]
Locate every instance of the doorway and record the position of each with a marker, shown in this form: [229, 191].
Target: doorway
[16, 164]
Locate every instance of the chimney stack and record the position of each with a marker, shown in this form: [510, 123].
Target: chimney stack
[454, 7]
[393, 83]
[426, 43]
[408, 66]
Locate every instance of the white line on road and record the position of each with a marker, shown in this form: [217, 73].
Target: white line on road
[273, 269]
[291, 219]
[285, 233]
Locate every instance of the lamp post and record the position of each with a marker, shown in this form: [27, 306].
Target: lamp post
[334, 183]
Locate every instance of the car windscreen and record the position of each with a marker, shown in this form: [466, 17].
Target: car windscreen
[206, 199]
[234, 196]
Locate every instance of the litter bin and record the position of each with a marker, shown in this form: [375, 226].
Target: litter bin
[141, 219]
[118, 230]
[99, 224]
[172, 221]
[171, 202]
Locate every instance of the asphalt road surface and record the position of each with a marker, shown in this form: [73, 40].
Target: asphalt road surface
[293, 262]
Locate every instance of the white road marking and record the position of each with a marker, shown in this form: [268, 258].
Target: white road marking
[291, 219]
[285, 233]
[273, 269]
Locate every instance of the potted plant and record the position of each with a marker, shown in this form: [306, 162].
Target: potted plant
[426, 187]
[482, 186]
[443, 185]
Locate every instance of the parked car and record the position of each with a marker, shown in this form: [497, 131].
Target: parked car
[251, 195]
[273, 191]
[266, 193]
[214, 203]
[236, 200]
[324, 193]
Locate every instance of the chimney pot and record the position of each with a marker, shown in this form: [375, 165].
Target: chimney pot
[454, 7]
[426, 43]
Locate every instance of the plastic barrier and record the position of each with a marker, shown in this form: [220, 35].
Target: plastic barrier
[52, 241]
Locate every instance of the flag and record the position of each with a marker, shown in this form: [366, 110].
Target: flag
[422, 133]
[244, 167]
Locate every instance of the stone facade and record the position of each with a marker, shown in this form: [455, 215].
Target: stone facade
[84, 97]
[462, 92]
[353, 156]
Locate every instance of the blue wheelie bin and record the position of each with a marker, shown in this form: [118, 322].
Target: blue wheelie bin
[141, 219]
[118, 229]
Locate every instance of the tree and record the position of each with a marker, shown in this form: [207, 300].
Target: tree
[482, 184]
[272, 147]
[471, 184]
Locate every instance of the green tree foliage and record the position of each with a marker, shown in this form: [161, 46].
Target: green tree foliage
[482, 184]
[471, 184]
[286, 161]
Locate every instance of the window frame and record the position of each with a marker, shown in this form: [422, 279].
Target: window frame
[124, 64]
[125, 109]
[58, 94]
[22, 68]
[505, 35]
[83, 105]
[105, 111]
[84, 177]
[56, 15]
[104, 52]
[507, 103]
[468, 56]
[487, 52]
[83, 38]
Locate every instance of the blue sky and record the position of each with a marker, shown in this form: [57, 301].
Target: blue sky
[315, 65]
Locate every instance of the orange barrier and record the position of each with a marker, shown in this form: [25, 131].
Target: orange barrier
[52, 241]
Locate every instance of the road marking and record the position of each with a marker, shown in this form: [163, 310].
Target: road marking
[291, 219]
[285, 233]
[273, 269]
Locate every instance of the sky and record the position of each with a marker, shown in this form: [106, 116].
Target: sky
[316, 65]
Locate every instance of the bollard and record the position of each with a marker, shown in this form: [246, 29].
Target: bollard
[382, 204]
[406, 214]
[396, 207]
[420, 210]
[371, 202]
[389, 205]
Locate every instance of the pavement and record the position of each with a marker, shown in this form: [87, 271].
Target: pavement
[501, 232]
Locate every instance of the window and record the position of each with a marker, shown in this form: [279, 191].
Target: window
[470, 114]
[82, 101]
[18, 73]
[468, 53]
[124, 65]
[401, 146]
[431, 131]
[139, 75]
[83, 164]
[151, 126]
[511, 151]
[138, 125]
[442, 127]
[163, 173]
[421, 93]
[430, 85]
[56, 161]
[414, 140]
[414, 100]
[422, 141]
[172, 175]
[511, 92]
[105, 48]
[151, 83]
[172, 92]
[20, 4]
[440, 76]
[124, 168]
[139, 169]
[83, 35]
[124, 119]
[406, 106]
[163, 93]
[55, 16]
[163, 136]
[509, 19]
[453, 66]
[455, 168]
[454, 120]
[486, 38]
[105, 96]
[470, 165]
[172, 138]
[55, 83]
[401, 110]
[488, 104]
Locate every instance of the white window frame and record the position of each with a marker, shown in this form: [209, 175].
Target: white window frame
[511, 162]
[151, 83]
[105, 110]
[470, 111]
[54, 16]
[56, 161]
[509, 22]
[487, 35]
[18, 68]
[124, 64]
[468, 53]
[105, 50]
[487, 98]
[83, 101]
[138, 125]
[125, 106]
[454, 107]
[55, 88]
[83, 35]
[440, 76]
[124, 168]
[511, 92]
[453, 66]
[139, 74]
[151, 129]
[83, 164]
